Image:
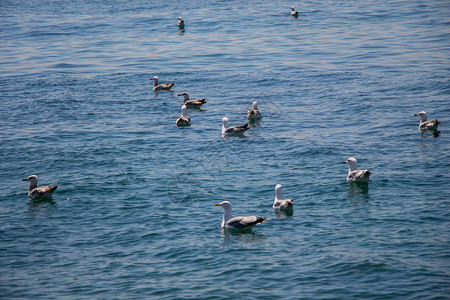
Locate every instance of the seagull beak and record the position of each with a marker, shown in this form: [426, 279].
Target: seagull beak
[25, 179]
[180, 95]
[217, 204]
[345, 162]
[416, 115]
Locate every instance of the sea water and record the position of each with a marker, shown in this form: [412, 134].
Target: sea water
[134, 215]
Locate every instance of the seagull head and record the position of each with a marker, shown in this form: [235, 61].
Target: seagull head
[155, 78]
[278, 193]
[423, 115]
[183, 94]
[351, 161]
[31, 178]
[225, 204]
[184, 111]
[225, 123]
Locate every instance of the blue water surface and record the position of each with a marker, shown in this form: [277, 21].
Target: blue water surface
[134, 216]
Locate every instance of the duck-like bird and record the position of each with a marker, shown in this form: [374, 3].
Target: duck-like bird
[294, 13]
[427, 125]
[192, 103]
[254, 113]
[355, 175]
[280, 203]
[161, 87]
[183, 120]
[180, 23]
[231, 222]
[233, 130]
[38, 192]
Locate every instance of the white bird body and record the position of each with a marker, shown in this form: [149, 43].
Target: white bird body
[38, 192]
[230, 222]
[355, 175]
[192, 103]
[183, 120]
[254, 113]
[161, 87]
[427, 125]
[228, 130]
[294, 13]
[280, 203]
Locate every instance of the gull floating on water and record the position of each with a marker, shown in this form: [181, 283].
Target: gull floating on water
[237, 222]
[280, 203]
[183, 120]
[38, 192]
[254, 113]
[354, 174]
[233, 130]
[294, 13]
[192, 103]
[180, 23]
[427, 125]
[161, 87]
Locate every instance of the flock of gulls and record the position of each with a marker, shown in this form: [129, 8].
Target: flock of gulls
[253, 115]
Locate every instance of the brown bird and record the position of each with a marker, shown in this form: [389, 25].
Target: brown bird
[161, 87]
[192, 103]
[38, 192]
[427, 125]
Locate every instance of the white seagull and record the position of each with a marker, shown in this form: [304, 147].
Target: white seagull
[254, 113]
[280, 203]
[354, 174]
[294, 13]
[233, 130]
[183, 120]
[192, 103]
[237, 222]
[427, 125]
[38, 192]
[161, 87]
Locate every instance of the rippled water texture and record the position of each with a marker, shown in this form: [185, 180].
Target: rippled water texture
[134, 215]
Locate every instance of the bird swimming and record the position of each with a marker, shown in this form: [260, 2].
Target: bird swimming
[354, 174]
[161, 87]
[254, 113]
[280, 203]
[38, 192]
[233, 130]
[180, 23]
[427, 125]
[192, 103]
[231, 222]
[294, 13]
[183, 120]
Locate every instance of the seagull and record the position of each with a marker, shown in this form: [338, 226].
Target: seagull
[294, 13]
[280, 203]
[183, 120]
[180, 23]
[254, 114]
[160, 87]
[192, 103]
[354, 174]
[38, 192]
[237, 222]
[427, 125]
[233, 130]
